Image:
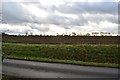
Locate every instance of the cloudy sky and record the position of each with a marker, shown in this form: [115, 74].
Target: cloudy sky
[53, 17]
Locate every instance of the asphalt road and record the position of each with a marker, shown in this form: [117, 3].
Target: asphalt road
[30, 69]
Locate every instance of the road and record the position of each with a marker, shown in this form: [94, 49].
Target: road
[30, 69]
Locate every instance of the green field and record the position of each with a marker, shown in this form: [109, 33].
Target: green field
[84, 54]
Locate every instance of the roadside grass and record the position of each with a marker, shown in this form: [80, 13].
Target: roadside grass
[8, 77]
[81, 63]
[88, 55]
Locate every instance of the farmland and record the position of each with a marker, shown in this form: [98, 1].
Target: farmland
[65, 53]
[62, 39]
[82, 50]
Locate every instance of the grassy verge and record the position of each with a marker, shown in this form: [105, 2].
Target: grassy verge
[66, 61]
[7, 77]
[90, 55]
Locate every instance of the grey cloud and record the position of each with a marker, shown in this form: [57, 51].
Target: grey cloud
[0, 14]
[40, 27]
[98, 18]
[14, 13]
[84, 7]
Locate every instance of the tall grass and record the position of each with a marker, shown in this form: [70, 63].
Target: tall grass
[88, 53]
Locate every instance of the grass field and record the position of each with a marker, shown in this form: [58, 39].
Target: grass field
[6, 77]
[85, 54]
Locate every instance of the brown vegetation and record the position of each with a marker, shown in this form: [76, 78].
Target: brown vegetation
[62, 39]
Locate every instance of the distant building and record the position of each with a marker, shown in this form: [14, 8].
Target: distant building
[95, 34]
[101, 34]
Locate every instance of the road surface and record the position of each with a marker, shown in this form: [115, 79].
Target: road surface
[30, 69]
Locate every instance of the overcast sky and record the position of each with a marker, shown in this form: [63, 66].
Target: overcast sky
[59, 16]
